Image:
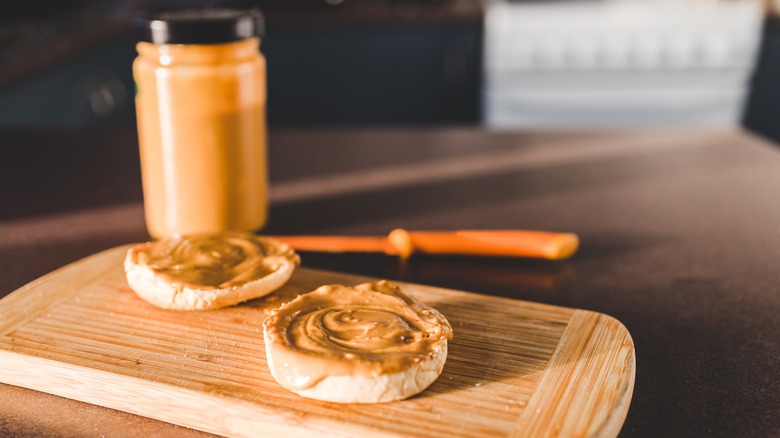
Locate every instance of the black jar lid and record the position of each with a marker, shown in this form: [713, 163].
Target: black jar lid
[199, 26]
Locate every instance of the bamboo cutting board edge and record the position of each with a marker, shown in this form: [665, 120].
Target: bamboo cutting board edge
[246, 415]
[65, 380]
[182, 405]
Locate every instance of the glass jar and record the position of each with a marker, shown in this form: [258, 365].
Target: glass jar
[200, 103]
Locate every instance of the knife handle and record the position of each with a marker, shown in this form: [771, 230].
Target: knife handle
[515, 243]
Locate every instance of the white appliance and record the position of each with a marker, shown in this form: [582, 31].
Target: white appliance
[573, 64]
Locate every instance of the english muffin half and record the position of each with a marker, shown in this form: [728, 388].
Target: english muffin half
[208, 271]
[365, 344]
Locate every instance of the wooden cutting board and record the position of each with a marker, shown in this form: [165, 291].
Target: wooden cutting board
[514, 367]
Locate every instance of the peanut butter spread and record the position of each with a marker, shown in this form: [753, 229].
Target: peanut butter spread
[213, 261]
[370, 329]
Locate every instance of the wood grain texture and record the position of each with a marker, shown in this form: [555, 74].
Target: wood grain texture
[514, 367]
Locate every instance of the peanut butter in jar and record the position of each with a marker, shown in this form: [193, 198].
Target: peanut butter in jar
[200, 102]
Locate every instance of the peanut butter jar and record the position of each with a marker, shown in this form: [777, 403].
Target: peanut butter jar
[200, 102]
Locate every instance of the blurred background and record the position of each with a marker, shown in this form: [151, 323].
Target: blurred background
[499, 64]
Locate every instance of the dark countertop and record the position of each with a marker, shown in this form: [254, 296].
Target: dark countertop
[680, 234]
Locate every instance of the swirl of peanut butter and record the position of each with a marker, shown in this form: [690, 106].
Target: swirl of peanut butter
[213, 261]
[370, 329]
